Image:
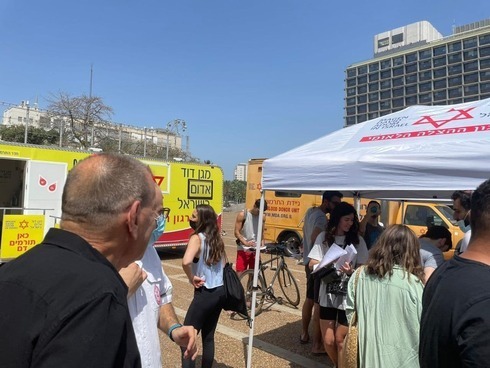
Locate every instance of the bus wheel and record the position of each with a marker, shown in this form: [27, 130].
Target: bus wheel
[292, 243]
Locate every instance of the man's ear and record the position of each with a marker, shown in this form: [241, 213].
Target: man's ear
[133, 219]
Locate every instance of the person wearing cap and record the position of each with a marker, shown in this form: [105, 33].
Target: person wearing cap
[315, 221]
[369, 227]
[436, 240]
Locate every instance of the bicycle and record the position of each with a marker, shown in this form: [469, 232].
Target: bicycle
[286, 280]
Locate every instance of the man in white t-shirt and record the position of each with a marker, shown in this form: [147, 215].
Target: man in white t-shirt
[315, 221]
[150, 303]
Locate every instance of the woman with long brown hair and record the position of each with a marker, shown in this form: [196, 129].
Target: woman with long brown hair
[388, 301]
[203, 264]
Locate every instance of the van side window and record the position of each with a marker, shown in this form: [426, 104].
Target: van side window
[422, 216]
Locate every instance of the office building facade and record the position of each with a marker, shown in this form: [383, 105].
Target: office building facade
[416, 65]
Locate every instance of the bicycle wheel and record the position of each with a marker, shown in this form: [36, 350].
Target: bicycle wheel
[288, 285]
[246, 278]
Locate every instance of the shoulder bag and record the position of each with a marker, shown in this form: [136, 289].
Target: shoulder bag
[350, 351]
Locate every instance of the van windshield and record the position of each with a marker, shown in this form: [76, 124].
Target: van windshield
[447, 212]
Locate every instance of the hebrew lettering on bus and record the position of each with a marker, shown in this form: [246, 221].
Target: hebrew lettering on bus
[200, 189]
[189, 204]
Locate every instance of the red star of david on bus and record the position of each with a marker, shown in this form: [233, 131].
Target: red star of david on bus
[459, 114]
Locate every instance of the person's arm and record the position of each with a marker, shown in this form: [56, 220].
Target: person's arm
[133, 277]
[363, 224]
[192, 251]
[427, 273]
[184, 336]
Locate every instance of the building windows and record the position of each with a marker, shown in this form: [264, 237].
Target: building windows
[386, 94]
[441, 50]
[424, 87]
[398, 81]
[440, 95]
[350, 110]
[485, 64]
[472, 65]
[398, 61]
[397, 92]
[411, 57]
[373, 67]
[398, 102]
[425, 98]
[454, 81]
[351, 120]
[385, 64]
[373, 77]
[374, 106]
[397, 38]
[19, 119]
[351, 91]
[361, 99]
[385, 105]
[351, 101]
[362, 80]
[373, 96]
[485, 75]
[383, 42]
[484, 87]
[411, 100]
[470, 54]
[454, 58]
[469, 43]
[411, 68]
[386, 84]
[424, 54]
[361, 109]
[455, 46]
[425, 75]
[373, 86]
[361, 118]
[412, 78]
[484, 51]
[484, 39]
[455, 92]
[439, 73]
[410, 90]
[361, 89]
[471, 78]
[386, 74]
[438, 84]
[373, 115]
[454, 69]
[351, 72]
[471, 90]
[362, 70]
[424, 65]
[398, 71]
[440, 61]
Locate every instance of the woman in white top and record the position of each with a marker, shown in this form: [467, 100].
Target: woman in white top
[203, 264]
[342, 229]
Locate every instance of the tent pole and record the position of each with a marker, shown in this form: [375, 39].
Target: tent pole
[255, 280]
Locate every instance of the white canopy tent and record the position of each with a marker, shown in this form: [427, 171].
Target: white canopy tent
[423, 152]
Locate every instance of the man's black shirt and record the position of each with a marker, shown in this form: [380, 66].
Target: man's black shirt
[455, 323]
[62, 304]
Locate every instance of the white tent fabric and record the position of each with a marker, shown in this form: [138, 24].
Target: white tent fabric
[418, 152]
[421, 152]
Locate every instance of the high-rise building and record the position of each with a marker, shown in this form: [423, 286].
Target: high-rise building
[240, 172]
[416, 65]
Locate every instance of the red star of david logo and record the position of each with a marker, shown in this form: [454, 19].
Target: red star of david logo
[24, 224]
[459, 114]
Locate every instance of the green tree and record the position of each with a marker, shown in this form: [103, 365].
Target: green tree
[16, 133]
[234, 190]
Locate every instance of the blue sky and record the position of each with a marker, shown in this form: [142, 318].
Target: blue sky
[252, 78]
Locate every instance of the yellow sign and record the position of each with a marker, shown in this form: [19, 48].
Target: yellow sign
[20, 233]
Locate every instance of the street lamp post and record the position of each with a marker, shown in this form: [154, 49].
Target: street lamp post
[27, 122]
[175, 126]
